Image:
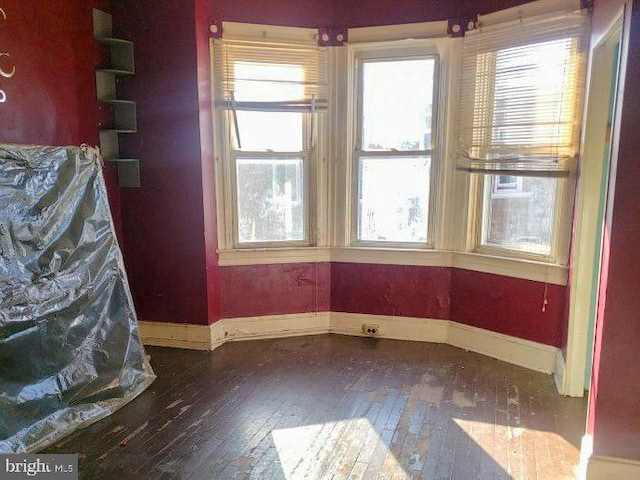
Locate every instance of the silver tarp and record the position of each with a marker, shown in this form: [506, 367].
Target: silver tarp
[70, 353]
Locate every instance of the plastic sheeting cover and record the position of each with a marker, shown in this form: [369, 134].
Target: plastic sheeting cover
[70, 353]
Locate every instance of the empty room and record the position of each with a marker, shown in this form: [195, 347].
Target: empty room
[305, 239]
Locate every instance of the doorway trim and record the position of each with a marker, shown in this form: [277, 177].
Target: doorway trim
[585, 269]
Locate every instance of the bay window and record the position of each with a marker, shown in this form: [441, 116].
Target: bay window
[353, 153]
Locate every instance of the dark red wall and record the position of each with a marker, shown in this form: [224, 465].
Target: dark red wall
[51, 98]
[255, 290]
[614, 406]
[294, 13]
[365, 13]
[350, 13]
[512, 306]
[398, 290]
[163, 221]
[501, 304]
[214, 287]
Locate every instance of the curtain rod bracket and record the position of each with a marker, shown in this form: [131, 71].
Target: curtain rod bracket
[458, 26]
[215, 28]
[332, 36]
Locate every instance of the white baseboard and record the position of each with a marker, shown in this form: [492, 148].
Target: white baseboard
[525, 353]
[396, 328]
[586, 449]
[532, 355]
[612, 468]
[175, 335]
[270, 326]
[558, 373]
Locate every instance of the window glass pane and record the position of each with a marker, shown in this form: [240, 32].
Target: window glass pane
[519, 212]
[270, 193]
[268, 82]
[394, 199]
[397, 104]
[276, 131]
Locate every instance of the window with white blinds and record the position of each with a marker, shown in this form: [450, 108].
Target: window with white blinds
[521, 95]
[270, 95]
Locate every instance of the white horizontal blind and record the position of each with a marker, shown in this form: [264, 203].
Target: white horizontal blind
[521, 96]
[269, 76]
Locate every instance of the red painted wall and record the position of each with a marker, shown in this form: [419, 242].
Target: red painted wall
[501, 304]
[613, 410]
[163, 221]
[399, 290]
[350, 13]
[255, 290]
[51, 99]
[365, 13]
[512, 306]
[203, 15]
[293, 13]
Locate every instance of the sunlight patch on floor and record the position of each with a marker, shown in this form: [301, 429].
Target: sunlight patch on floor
[508, 445]
[332, 448]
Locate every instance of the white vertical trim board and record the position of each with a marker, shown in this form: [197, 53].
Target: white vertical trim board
[586, 449]
[588, 207]
[559, 371]
[532, 355]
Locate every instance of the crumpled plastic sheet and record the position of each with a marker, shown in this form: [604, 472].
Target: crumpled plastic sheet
[70, 352]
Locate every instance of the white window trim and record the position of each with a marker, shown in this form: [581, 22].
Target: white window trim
[394, 54]
[346, 211]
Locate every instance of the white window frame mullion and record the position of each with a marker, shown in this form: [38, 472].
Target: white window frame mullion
[223, 173]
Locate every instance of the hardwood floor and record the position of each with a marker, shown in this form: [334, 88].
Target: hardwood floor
[331, 406]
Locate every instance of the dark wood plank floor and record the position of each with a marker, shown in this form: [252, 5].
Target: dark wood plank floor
[330, 406]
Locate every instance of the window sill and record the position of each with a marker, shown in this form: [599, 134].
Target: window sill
[393, 256]
[264, 256]
[510, 267]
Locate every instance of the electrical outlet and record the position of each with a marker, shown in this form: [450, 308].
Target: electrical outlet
[370, 330]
